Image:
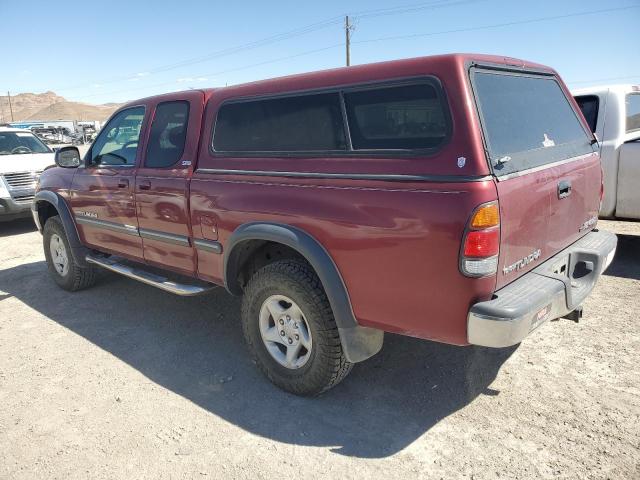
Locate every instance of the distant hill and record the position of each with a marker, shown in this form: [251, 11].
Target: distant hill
[73, 111]
[51, 106]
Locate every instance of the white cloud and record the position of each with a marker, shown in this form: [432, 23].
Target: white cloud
[138, 76]
[191, 79]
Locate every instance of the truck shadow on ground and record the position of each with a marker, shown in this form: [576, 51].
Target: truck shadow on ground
[17, 227]
[626, 263]
[194, 347]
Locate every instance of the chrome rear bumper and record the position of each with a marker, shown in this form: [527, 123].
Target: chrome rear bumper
[550, 291]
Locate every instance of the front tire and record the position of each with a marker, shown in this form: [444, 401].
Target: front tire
[63, 268]
[290, 330]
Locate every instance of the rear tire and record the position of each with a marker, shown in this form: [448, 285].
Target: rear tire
[285, 307]
[63, 268]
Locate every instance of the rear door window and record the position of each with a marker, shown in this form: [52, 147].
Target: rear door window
[527, 121]
[407, 117]
[633, 112]
[301, 123]
[589, 105]
[168, 133]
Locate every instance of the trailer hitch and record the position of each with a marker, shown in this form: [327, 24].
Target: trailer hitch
[574, 315]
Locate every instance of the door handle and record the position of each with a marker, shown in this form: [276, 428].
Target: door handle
[564, 189]
[146, 185]
[123, 183]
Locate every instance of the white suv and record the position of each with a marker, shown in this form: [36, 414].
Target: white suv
[23, 157]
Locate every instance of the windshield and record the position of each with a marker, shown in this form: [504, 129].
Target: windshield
[15, 143]
[527, 121]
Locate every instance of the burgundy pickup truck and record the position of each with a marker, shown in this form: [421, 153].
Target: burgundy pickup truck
[452, 198]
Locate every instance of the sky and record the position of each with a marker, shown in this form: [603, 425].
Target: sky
[99, 52]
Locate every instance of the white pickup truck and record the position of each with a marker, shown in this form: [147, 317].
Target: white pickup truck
[613, 113]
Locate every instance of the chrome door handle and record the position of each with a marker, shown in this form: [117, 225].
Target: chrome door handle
[144, 185]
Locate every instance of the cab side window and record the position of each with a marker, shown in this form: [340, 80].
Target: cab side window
[117, 143]
[168, 134]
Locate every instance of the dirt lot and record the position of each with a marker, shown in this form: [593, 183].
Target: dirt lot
[124, 381]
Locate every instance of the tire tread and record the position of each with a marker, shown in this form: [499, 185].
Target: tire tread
[79, 277]
[335, 366]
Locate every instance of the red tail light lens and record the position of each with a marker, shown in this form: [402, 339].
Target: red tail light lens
[482, 243]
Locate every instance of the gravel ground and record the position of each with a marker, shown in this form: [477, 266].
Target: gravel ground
[125, 381]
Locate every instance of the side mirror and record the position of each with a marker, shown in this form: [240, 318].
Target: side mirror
[68, 157]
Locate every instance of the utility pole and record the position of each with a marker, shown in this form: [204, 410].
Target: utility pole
[347, 33]
[10, 108]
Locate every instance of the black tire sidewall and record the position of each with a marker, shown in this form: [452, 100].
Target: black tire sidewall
[317, 373]
[54, 226]
[253, 327]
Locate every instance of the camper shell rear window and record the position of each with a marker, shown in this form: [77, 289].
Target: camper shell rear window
[527, 120]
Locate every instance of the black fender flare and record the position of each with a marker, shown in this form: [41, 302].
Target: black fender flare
[358, 342]
[78, 250]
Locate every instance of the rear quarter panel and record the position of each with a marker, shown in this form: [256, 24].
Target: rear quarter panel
[396, 246]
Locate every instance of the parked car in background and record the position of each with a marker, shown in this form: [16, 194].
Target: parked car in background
[613, 114]
[23, 157]
[451, 198]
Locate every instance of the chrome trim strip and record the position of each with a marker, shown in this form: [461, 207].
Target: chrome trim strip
[139, 232]
[207, 245]
[542, 167]
[164, 237]
[349, 176]
[115, 227]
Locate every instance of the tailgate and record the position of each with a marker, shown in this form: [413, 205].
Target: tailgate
[547, 172]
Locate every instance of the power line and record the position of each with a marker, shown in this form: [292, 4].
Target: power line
[221, 72]
[597, 80]
[277, 38]
[495, 25]
[220, 53]
[382, 12]
[483, 27]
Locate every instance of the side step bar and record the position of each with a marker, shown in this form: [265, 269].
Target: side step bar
[182, 289]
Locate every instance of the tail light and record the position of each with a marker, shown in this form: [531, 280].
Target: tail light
[481, 242]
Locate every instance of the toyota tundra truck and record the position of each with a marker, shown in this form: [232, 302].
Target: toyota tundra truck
[452, 198]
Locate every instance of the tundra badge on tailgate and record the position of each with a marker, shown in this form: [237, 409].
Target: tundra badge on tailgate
[523, 262]
[589, 223]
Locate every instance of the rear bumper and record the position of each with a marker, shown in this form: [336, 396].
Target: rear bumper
[550, 291]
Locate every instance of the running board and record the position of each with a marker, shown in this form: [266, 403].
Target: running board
[163, 283]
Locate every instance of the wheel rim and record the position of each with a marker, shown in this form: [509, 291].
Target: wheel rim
[285, 332]
[59, 256]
